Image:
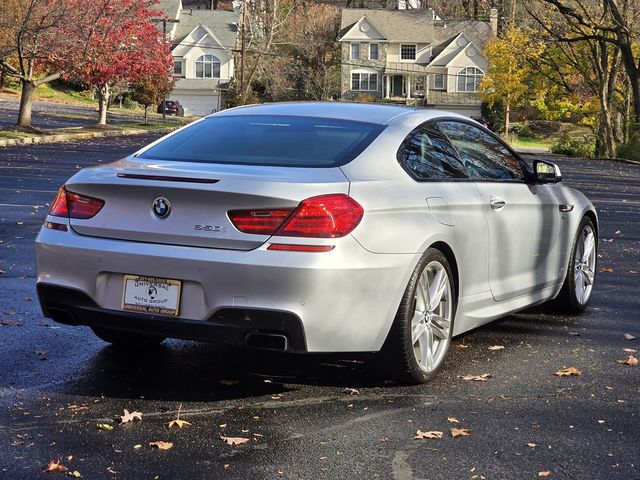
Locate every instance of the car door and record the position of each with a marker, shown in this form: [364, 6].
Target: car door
[523, 217]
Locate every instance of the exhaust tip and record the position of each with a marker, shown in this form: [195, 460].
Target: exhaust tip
[266, 341]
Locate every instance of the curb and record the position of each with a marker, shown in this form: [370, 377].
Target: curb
[606, 159]
[69, 137]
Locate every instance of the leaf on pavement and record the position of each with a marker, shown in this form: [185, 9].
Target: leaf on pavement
[567, 372]
[2, 272]
[461, 345]
[477, 378]
[104, 426]
[351, 391]
[606, 270]
[630, 360]
[7, 323]
[629, 350]
[234, 440]
[74, 474]
[452, 420]
[493, 348]
[532, 445]
[628, 336]
[178, 423]
[432, 434]
[460, 432]
[545, 473]
[55, 466]
[130, 417]
[161, 445]
[228, 383]
[20, 222]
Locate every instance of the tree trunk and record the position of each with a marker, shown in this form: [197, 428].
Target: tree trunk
[146, 107]
[103, 101]
[26, 102]
[507, 112]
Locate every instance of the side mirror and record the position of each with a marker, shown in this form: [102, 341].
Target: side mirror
[546, 172]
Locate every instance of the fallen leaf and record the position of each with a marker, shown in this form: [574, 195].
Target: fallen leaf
[532, 445]
[461, 345]
[477, 378]
[20, 223]
[161, 445]
[567, 372]
[2, 272]
[178, 423]
[460, 432]
[226, 466]
[496, 347]
[629, 350]
[628, 336]
[433, 434]
[630, 360]
[234, 440]
[130, 417]
[545, 473]
[452, 420]
[601, 422]
[229, 382]
[7, 323]
[55, 466]
[574, 334]
[74, 474]
[351, 391]
[137, 446]
[606, 270]
[29, 298]
[104, 426]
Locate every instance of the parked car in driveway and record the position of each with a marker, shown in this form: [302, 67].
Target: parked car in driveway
[316, 227]
[171, 107]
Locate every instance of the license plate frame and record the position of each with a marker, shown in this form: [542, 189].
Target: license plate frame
[163, 300]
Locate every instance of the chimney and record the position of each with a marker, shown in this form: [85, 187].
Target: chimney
[493, 20]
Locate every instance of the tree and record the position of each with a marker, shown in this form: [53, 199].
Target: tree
[151, 89]
[509, 68]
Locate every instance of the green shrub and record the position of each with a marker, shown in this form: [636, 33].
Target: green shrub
[524, 132]
[574, 147]
[631, 149]
[493, 115]
[544, 128]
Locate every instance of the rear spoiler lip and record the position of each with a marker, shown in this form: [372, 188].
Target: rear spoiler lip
[164, 178]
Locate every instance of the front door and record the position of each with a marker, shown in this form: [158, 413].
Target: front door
[396, 90]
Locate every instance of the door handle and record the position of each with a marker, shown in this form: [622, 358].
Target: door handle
[496, 202]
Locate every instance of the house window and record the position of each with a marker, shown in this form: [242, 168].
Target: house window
[364, 81]
[355, 51]
[407, 52]
[438, 81]
[207, 66]
[177, 67]
[469, 79]
[373, 51]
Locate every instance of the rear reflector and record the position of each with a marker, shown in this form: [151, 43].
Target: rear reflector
[300, 248]
[261, 222]
[73, 205]
[55, 226]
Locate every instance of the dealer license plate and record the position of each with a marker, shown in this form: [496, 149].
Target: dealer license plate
[151, 295]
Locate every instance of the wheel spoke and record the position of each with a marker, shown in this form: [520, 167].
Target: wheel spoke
[588, 244]
[417, 329]
[422, 293]
[426, 349]
[437, 288]
[588, 274]
[440, 327]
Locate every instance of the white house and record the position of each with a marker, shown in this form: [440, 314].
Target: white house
[203, 43]
[415, 57]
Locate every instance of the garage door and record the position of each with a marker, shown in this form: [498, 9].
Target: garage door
[197, 105]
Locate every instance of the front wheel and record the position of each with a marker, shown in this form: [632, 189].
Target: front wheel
[420, 337]
[581, 272]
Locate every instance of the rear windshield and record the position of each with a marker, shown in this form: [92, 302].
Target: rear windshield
[268, 140]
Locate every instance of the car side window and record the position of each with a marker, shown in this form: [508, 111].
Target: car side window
[427, 154]
[483, 156]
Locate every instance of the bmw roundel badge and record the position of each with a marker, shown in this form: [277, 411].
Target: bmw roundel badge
[161, 207]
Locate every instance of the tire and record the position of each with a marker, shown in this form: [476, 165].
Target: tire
[420, 336]
[581, 271]
[129, 340]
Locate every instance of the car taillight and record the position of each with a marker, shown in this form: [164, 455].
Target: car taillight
[74, 205]
[326, 216]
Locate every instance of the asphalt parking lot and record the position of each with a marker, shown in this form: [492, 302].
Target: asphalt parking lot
[310, 417]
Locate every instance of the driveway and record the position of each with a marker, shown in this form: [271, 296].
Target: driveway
[59, 383]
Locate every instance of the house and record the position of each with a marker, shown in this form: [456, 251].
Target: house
[203, 62]
[415, 57]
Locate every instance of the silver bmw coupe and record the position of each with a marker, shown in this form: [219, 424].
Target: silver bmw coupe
[316, 227]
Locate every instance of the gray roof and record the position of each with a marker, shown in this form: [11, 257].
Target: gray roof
[169, 6]
[222, 23]
[416, 26]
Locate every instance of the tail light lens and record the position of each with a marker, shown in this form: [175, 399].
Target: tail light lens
[326, 216]
[74, 205]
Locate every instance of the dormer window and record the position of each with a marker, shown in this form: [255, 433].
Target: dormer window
[407, 52]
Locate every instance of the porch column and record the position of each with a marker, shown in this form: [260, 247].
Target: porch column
[388, 82]
[408, 77]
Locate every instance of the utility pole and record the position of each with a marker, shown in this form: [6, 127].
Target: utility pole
[164, 37]
[243, 50]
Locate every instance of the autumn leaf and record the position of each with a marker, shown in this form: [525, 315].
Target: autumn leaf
[545, 473]
[161, 445]
[629, 350]
[460, 432]
[567, 372]
[55, 466]
[228, 383]
[461, 345]
[7, 323]
[452, 420]
[178, 423]
[20, 223]
[628, 336]
[104, 426]
[74, 474]
[532, 445]
[606, 270]
[477, 378]
[2, 272]
[630, 360]
[130, 417]
[351, 391]
[432, 434]
[493, 348]
[234, 440]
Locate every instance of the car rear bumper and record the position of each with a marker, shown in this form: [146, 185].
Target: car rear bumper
[344, 300]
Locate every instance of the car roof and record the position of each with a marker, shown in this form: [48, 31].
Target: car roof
[359, 112]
